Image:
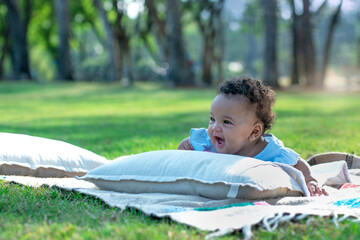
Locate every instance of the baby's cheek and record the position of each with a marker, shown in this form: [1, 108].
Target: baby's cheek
[213, 141]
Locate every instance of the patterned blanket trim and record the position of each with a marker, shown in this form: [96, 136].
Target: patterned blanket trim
[270, 223]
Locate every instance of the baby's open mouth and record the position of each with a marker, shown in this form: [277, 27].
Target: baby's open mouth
[219, 141]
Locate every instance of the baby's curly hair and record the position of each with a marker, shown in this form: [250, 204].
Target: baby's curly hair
[257, 92]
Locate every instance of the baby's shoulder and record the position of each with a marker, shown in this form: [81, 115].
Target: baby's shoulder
[275, 151]
[271, 138]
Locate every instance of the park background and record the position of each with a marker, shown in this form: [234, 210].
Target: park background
[305, 43]
[124, 77]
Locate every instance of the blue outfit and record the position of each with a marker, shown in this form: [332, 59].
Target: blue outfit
[275, 151]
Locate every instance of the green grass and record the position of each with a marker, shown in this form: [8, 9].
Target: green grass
[113, 121]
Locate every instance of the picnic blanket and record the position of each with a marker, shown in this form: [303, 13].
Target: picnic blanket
[221, 217]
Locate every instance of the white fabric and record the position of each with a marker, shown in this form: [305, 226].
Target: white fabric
[204, 174]
[233, 191]
[337, 170]
[22, 154]
[223, 216]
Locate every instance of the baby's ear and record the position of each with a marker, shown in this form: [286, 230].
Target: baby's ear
[256, 132]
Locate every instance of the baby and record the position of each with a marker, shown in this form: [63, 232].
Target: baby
[240, 115]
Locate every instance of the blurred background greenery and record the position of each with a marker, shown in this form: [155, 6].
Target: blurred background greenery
[303, 43]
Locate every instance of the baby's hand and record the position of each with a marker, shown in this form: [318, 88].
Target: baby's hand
[185, 145]
[315, 190]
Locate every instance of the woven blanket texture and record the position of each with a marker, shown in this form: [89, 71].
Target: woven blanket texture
[225, 216]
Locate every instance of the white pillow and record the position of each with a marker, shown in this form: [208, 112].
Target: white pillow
[332, 174]
[210, 175]
[41, 157]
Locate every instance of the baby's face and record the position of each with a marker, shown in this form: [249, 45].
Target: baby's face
[231, 124]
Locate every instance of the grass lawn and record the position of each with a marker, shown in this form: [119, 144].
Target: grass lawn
[113, 121]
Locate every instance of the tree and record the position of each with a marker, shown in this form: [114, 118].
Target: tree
[118, 38]
[113, 47]
[4, 31]
[251, 27]
[333, 22]
[179, 71]
[297, 34]
[270, 56]
[88, 18]
[304, 54]
[309, 49]
[304, 63]
[358, 44]
[18, 33]
[143, 28]
[123, 38]
[63, 22]
[43, 30]
[158, 23]
[207, 14]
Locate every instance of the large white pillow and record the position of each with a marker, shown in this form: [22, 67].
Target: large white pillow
[41, 157]
[210, 175]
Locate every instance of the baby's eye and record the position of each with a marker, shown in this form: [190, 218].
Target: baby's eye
[212, 119]
[227, 122]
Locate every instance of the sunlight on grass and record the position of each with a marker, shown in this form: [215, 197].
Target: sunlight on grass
[44, 213]
[111, 120]
[107, 119]
[114, 121]
[312, 123]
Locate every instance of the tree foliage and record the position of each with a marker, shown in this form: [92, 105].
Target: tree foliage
[201, 43]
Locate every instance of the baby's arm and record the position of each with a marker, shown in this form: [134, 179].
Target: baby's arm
[311, 182]
[185, 144]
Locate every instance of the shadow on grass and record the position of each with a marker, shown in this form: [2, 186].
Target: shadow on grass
[51, 205]
[349, 111]
[112, 136]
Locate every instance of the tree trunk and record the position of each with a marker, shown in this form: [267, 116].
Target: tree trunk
[334, 21]
[208, 35]
[125, 54]
[5, 47]
[212, 34]
[295, 45]
[270, 75]
[207, 60]
[358, 45]
[144, 35]
[113, 49]
[127, 68]
[179, 72]
[251, 51]
[219, 46]
[304, 54]
[160, 31]
[124, 44]
[63, 22]
[358, 52]
[309, 51]
[18, 30]
[218, 31]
